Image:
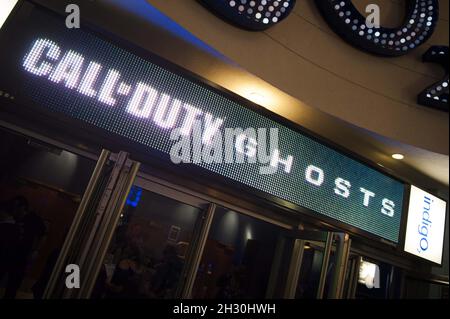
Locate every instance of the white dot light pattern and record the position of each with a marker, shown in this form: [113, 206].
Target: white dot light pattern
[436, 96]
[347, 21]
[252, 14]
[160, 100]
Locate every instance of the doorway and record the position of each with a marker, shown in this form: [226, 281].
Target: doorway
[161, 241]
[309, 265]
[150, 253]
[41, 185]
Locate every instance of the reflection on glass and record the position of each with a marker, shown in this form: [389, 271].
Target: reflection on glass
[40, 190]
[148, 251]
[422, 289]
[237, 258]
[369, 274]
[309, 276]
[382, 287]
[310, 271]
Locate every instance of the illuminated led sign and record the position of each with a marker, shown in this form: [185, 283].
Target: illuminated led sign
[87, 79]
[342, 16]
[419, 24]
[436, 96]
[344, 19]
[255, 15]
[425, 226]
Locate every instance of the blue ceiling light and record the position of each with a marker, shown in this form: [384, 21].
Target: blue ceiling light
[144, 10]
[254, 15]
[350, 24]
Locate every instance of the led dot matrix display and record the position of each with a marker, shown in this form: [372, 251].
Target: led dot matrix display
[80, 75]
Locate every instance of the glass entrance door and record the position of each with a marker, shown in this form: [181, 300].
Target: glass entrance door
[309, 265]
[237, 257]
[150, 253]
[41, 186]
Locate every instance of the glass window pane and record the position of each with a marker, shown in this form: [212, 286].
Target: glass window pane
[148, 251]
[309, 277]
[379, 287]
[420, 289]
[40, 189]
[237, 258]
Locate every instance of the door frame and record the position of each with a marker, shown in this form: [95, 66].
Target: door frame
[13, 129]
[337, 241]
[208, 205]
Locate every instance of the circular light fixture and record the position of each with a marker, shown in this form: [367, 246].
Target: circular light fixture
[254, 15]
[436, 96]
[398, 156]
[347, 21]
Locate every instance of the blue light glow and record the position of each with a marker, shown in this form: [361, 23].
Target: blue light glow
[134, 196]
[146, 11]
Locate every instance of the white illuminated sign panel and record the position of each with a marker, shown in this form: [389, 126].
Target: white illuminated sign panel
[426, 225]
[6, 6]
[369, 274]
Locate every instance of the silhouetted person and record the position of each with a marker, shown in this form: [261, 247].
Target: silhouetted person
[167, 273]
[223, 284]
[32, 230]
[9, 243]
[40, 285]
[231, 284]
[100, 284]
[124, 282]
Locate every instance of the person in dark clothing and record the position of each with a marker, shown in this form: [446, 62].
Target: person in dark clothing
[98, 292]
[9, 240]
[40, 285]
[18, 206]
[167, 274]
[32, 229]
[125, 280]
[231, 284]
[10, 236]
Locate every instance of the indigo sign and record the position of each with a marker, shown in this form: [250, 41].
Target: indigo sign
[425, 227]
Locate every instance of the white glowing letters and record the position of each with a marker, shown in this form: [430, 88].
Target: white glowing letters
[316, 176]
[42, 49]
[143, 100]
[89, 79]
[68, 70]
[93, 80]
